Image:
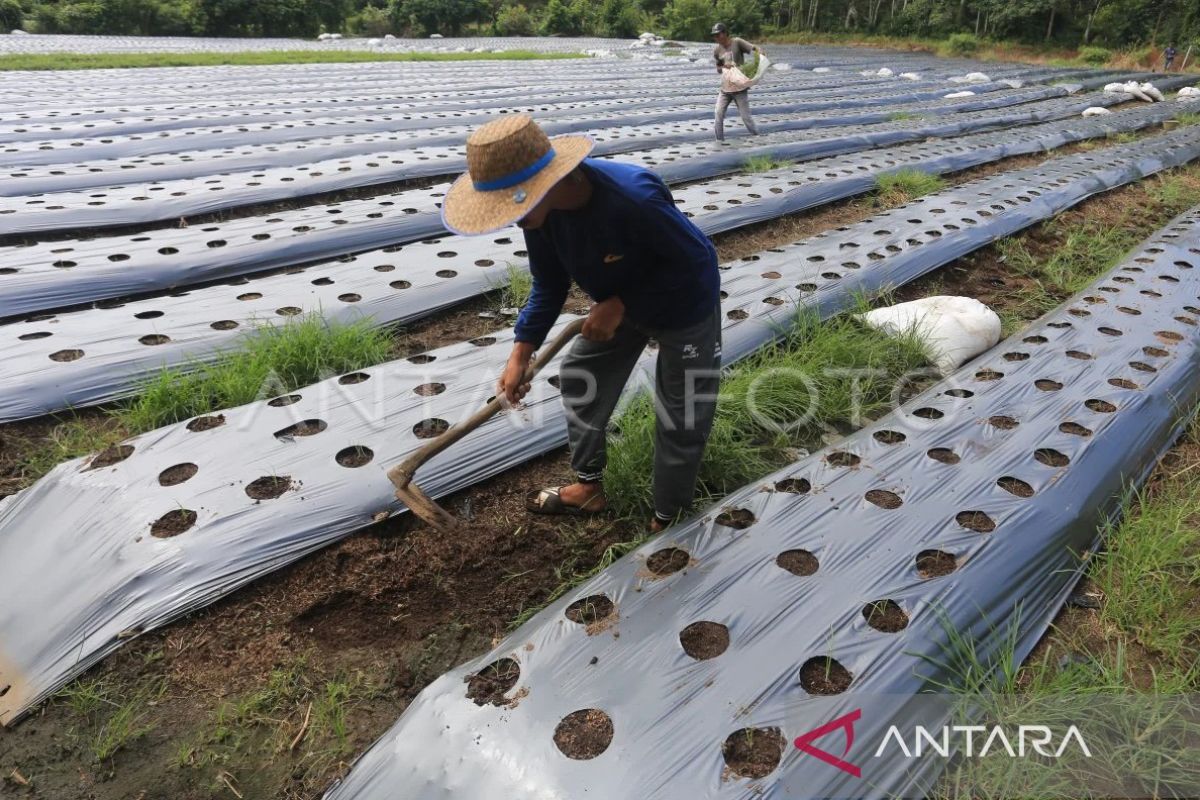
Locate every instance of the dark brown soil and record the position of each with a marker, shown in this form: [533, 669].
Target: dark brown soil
[1047, 385]
[1051, 457]
[935, 563]
[704, 640]
[430, 428]
[840, 458]
[753, 753]
[355, 456]
[889, 437]
[884, 499]
[929, 413]
[354, 378]
[885, 616]
[154, 338]
[173, 476]
[975, 521]
[1015, 486]
[268, 487]
[584, 734]
[308, 427]
[206, 423]
[66, 355]
[491, 683]
[824, 675]
[737, 518]
[1074, 428]
[988, 375]
[798, 562]
[590, 610]
[794, 486]
[1100, 406]
[111, 455]
[173, 523]
[430, 389]
[1002, 422]
[943, 454]
[286, 400]
[667, 561]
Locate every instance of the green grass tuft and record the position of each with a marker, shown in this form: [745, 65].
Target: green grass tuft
[1190, 118]
[819, 377]
[516, 289]
[62, 61]
[900, 116]
[764, 163]
[906, 185]
[272, 361]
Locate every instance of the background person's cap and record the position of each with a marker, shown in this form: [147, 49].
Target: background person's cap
[719, 28]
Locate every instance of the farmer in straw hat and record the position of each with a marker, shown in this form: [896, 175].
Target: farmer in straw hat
[614, 230]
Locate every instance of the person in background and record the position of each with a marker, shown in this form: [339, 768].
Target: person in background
[612, 229]
[730, 51]
[1169, 57]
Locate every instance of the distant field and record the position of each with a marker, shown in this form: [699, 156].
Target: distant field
[53, 61]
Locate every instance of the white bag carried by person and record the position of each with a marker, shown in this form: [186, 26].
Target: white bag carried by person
[734, 80]
[955, 329]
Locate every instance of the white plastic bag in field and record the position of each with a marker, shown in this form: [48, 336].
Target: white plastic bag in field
[1095, 111]
[1152, 90]
[884, 72]
[956, 95]
[734, 80]
[910, 76]
[955, 329]
[1188, 92]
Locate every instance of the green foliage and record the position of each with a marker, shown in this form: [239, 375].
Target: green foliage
[962, 44]
[271, 362]
[690, 20]
[563, 19]
[426, 17]
[1095, 55]
[515, 20]
[902, 186]
[371, 21]
[763, 164]
[744, 17]
[55, 61]
[619, 19]
[11, 15]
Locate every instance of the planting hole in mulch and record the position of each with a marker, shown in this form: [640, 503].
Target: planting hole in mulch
[1156, 352]
[353, 378]
[421, 359]
[1002, 422]
[738, 518]
[884, 498]
[960, 393]
[1015, 486]
[491, 683]
[590, 610]
[928, 413]
[554, 381]
[1074, 428]
[889, 437]
[975, 521]
[268, 487]
[584, 734]
[286, 400]
[206, 423]
[114, 454]
[944, 455]
[308, 427]
[173, 523]
[1123, 383]
[1100, 406]
[794, 486]
[1037, 339]
[824, 675]
[704, 640]
[66, 355]
[1079, 354]
[289, 311]
[154, 338]
[885, 615]
[842, 459]
[1047, 385]
[430, 389]
[173, 476]
[223, 325]
[1051, 457]
[988, 375]
[935, 563]
[483, 341]
[1169, 336]
[753, 753]
[1016, 356]
[1142, 366]
[1109, 331]
[400, 285]
[354, 456]
[430, 428]
[667, 561]
[738, 313]
[798, 562]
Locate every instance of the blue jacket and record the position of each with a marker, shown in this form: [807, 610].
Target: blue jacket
[629, 241]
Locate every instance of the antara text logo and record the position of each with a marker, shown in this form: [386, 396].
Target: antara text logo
[971, 741]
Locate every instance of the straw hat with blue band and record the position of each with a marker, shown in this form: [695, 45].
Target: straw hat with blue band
[511, 164]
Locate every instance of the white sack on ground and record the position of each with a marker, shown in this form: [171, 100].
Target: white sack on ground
[1187, 92]
[910, 76]
[956, 95]
[884, 72]
[1152, 90]
[954, 329]
[1095, 111]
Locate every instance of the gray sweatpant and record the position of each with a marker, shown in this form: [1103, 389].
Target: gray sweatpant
[687, 376]
[742, 99]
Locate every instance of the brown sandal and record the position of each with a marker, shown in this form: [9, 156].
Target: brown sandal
[550, 503]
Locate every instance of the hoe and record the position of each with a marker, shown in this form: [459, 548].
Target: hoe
[401, 476]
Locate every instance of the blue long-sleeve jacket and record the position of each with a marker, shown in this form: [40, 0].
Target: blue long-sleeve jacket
[629, 241]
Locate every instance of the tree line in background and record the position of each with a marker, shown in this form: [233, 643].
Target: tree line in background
[1068, 23]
